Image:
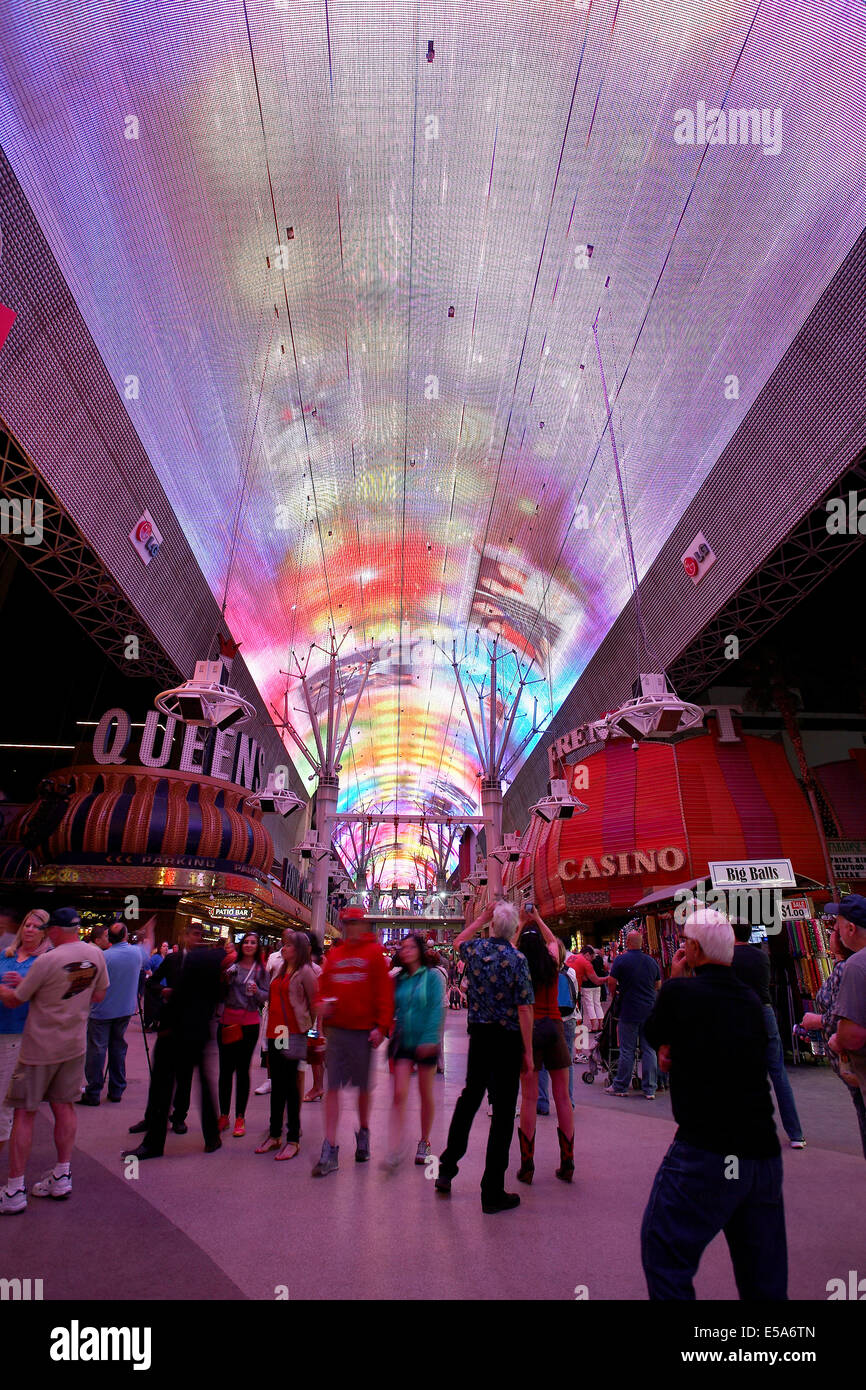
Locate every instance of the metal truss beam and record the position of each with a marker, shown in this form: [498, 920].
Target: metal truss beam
[796, 567]
[73, 572]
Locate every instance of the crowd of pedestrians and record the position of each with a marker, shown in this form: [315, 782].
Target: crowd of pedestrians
[65, 1006]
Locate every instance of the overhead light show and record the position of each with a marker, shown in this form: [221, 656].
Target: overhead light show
[343, 268]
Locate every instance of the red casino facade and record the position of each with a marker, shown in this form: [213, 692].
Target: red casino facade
[656, 816]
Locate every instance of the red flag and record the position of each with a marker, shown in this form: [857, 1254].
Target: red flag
[228, 648]
[7, 318]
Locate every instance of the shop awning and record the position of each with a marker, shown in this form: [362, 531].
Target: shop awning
[661, 895]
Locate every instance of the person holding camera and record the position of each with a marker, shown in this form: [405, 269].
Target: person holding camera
[541, 949]
[723, 1171]
[500, 1047]
[247, 994]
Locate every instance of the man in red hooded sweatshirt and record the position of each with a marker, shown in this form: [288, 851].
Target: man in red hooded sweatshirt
[356, 1001]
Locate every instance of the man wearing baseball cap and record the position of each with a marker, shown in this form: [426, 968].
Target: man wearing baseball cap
[60, 987]
[850, 1008]
[356, 1001]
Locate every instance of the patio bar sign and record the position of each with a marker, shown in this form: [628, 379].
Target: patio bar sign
[756, 873]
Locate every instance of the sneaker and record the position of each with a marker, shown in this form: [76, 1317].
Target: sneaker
[240, 1128]
[52, 1186]
[612, 1091]
[443, 1186]
[85, 1099]
[12, 1202]
[328, 1160]
[798, 1143]
[264, 1089]
[648, 1095]
[422, 1153]
[223, 1123]
[542, 1110]
[391, 1163]
[178, 1126]
[362, 1146]
[506, 1201]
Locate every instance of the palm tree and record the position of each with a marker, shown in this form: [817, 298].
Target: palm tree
[770, 687]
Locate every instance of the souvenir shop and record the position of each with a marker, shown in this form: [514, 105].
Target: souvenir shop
[658, 818]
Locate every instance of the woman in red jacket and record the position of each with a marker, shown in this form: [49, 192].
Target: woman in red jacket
[290, 1017]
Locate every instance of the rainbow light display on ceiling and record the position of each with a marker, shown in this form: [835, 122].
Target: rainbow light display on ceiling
[267, 215]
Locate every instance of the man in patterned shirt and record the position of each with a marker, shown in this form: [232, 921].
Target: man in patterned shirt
[500, 1047]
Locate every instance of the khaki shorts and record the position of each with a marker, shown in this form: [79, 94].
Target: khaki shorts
[33, 1082]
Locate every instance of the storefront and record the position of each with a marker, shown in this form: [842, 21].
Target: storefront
[657, 817]
[159, 847]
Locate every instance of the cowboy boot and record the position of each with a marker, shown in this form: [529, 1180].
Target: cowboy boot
[566, 1156]
[527, 1162]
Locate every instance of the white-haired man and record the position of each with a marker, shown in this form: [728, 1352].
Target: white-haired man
[850, 1035]
[723, 1171]
[500, 1047]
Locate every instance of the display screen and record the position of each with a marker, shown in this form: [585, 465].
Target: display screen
[346, 296]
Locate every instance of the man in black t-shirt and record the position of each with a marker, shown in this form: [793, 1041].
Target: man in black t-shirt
[752, 966]
[723, 1171]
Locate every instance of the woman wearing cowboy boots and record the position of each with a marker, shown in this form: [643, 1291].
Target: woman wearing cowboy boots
[537, 942]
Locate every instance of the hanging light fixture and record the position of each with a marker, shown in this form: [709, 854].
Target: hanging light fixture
[655, 709]
[275, 799]
[205, 701]
[559, 804]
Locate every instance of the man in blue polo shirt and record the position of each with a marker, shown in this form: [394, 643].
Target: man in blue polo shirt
[108, 1021]
[636, 978]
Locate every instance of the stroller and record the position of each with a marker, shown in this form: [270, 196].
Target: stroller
[604, 1055]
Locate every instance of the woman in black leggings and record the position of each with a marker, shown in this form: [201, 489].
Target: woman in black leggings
[239, 1028]
[290, 1016]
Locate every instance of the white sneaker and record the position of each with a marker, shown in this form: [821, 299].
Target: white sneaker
[12, 1202]
[52, 1186]
[264, 1089]
[798, 1143]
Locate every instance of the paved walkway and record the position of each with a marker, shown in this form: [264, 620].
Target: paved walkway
[236, 1225]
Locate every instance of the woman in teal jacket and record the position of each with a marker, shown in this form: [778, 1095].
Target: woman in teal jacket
[419, 1008]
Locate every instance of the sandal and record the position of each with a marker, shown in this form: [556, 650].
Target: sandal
[284, 1152]
[267, 1144]
[314, 1095]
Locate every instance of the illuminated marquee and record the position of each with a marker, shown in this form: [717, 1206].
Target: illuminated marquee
[625, 865]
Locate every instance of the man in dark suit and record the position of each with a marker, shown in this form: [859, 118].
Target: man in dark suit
[192, 984]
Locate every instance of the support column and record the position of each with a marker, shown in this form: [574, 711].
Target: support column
[491, 808]
[326, 808]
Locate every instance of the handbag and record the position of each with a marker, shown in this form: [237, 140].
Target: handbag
[233, 1032]
[316, 1046]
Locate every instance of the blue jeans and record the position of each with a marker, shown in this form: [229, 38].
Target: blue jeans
[692, 1200]
[569, 1028]
[105, 1035]
[779, 1077]
[630, 1034]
